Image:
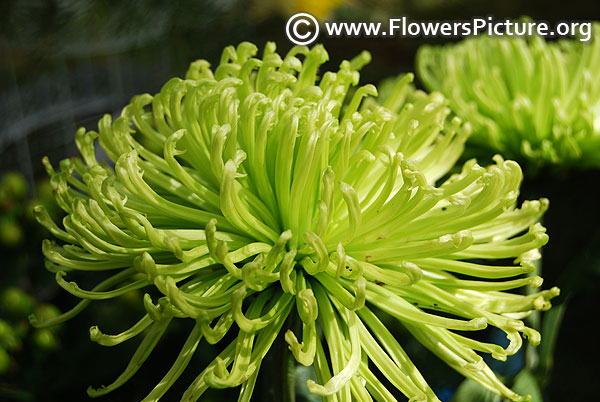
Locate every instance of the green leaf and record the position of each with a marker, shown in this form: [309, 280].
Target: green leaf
[550, 328]
[526, 384]
[470, 391]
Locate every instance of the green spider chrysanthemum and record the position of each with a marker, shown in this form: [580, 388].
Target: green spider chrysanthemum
[527, 98]
[258, 192]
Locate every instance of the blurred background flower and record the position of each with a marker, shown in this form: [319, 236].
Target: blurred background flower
[530, 99]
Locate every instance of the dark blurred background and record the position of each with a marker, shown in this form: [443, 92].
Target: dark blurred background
[65, 63]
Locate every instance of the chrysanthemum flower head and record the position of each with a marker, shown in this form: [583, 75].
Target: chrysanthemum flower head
[530, 99]
[261, 194]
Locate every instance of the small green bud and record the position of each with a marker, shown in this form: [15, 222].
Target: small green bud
[8, 336]
[14, 185]
[45, 312]
[45, 339]
[16, 302]
[4, 361]
[11, 234]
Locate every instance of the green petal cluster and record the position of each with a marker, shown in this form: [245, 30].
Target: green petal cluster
[527, 98]
[266, 193]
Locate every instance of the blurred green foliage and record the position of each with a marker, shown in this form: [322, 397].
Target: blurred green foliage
[18, 231]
